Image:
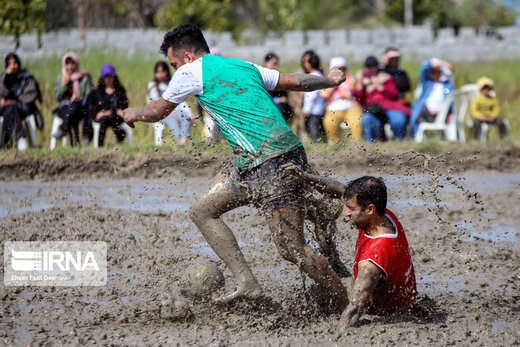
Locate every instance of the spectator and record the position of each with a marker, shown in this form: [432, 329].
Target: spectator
[72, 88]
[280, 97]
[378, 94]
[18, 92]
[107, 102]
[179, 121]
[435, 83]
[341, 106]
[485, 108]
[313, 103]
[391, 66]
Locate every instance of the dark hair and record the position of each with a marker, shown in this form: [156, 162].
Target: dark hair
[371, 61]
[119, 89]
[367, 190]
[165, 67]
[314, 59]
[391, 48]
[185, 36]
[10, 56]
[270, 56]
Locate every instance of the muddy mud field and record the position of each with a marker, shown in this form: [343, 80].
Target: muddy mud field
[461, 220]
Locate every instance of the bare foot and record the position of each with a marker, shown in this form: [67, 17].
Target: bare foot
[246, 290]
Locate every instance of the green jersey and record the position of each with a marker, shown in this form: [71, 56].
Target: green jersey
[234, 93]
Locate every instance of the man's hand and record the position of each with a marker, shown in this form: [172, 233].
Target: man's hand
[129, 116]
[337, 76]
[295, 172]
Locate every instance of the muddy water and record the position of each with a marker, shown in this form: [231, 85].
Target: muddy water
[463, 232]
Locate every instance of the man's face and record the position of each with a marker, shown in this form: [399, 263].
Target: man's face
[435, 74]
[356, 214]
[179, 57]
[393, 62]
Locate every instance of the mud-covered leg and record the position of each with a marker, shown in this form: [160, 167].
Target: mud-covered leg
[205, 213]
[286, 225]
[323, 213]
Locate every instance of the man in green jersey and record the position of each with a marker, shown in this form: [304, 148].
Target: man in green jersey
[235, 94]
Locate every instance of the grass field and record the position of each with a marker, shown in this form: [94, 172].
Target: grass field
[136, 69]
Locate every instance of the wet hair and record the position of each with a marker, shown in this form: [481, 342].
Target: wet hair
[270, 56]
[314, 59]
[165, 67]
[185, 36]
[10, 56]
[367, 190]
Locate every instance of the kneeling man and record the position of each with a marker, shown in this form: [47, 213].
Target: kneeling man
[384, 277]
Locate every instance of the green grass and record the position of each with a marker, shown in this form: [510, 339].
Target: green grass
[135, 70]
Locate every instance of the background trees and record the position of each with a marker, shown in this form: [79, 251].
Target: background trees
[22, 16]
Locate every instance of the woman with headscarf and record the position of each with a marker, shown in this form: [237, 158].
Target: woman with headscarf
[71, 89]
[107, 102]
[18, 94]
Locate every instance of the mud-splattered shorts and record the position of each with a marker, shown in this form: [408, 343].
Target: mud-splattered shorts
[267, 186]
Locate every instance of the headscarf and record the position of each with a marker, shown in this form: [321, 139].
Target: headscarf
[76, 75]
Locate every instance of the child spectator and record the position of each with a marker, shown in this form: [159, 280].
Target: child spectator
[313, 103]
[18, 92]
[72, 88]
[484, 108]
[179, 121]
[107, 102]
[280, 97]
[341, 106]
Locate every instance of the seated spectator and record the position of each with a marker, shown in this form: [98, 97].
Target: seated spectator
[313, 103]
[107, 102]
[341, 106]
[18, 92]
[378, 94]
[485, 108]
[390, 62]
[179, 121]
[72, 88]
[280, 97]
[435, 83]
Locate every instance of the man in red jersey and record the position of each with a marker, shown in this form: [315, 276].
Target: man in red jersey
[384, 277]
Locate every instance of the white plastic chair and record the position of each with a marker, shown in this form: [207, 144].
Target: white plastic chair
[56, 122]
[31, 126]
[158, 130]
[125, 127]
[485, 127]
[439, 124]
[470, 91]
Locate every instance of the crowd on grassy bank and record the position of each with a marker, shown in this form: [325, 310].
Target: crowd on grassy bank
[380, 92]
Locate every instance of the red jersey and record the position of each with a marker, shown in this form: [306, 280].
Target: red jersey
[390, 253]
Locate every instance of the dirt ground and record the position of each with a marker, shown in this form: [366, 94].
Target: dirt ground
[460, 213]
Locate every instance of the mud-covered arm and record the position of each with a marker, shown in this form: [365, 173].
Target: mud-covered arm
[306, 83]
[153, 112]
[366, 282]
[325, 185]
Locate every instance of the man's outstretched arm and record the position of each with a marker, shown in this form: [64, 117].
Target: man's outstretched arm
[153, 112]
[306, 83]
[366, 282]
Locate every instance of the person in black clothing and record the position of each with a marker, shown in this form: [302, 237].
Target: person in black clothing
[107, 102]
[280, 97]
[18, 92]
[390, 62]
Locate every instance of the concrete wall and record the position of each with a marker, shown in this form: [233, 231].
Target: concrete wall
[354, 44]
